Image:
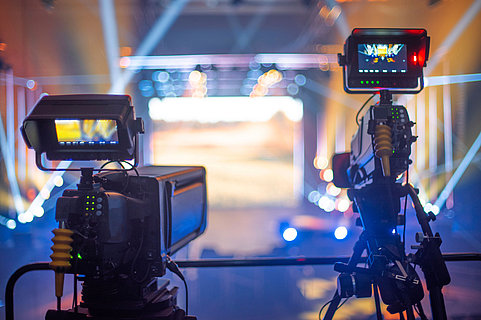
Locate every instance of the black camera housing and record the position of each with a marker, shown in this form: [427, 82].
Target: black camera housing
[41, 132]
[126, 224]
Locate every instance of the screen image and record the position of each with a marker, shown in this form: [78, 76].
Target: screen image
[382, 58]
[90, 131]
[249, 146]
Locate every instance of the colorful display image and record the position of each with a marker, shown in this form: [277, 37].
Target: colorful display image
[382, 57]
[248, 146]
[86, 131]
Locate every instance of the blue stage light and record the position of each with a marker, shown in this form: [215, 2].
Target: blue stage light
[290, 234]
[340, 233]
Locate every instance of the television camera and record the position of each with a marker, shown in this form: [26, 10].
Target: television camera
[386, 61]
[118, 229]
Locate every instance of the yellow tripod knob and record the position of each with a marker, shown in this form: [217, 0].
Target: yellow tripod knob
[61, 256]
[383, 147]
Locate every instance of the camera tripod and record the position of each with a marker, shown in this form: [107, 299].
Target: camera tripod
[389, 272]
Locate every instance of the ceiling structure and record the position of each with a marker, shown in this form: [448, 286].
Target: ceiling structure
[53, 38]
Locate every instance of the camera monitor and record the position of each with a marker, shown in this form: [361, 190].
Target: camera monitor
[384, 59]
[83, 127]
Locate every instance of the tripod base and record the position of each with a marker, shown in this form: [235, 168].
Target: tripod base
[163, 307]
[83, 314]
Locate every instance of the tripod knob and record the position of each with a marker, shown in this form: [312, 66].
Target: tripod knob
[420, 237]
[61, 248]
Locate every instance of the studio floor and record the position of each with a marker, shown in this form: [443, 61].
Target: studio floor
[247, 292]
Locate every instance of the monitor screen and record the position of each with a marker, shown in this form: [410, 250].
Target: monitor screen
[86, 131]
[382, 58]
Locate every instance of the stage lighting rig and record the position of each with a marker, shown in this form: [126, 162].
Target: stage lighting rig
[386, 61]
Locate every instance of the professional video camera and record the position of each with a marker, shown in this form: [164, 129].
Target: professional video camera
[118, 228]
[386, 61]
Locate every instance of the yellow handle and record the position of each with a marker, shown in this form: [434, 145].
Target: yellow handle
[60, 257]
[59, 279]
[383, 147]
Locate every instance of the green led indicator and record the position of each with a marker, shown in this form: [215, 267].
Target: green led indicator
[88, 197]
[372, 81]
[377, 82]
[93, 197]
[79, 256]
[362, 82]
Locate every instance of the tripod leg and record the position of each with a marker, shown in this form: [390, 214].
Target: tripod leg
[333, 306]
[437, 303]
[359, 248]
[422, 315]
[377, 301]
[410, 313]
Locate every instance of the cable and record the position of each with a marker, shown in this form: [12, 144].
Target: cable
[74, 298]
[342, 304]
[120, 162]
[405, 211]
[359, 112]
[186, 297]
[419, 309]
[174, 268]
[106, 164]
[322, 308]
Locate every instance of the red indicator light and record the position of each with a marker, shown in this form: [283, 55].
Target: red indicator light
[415, 31]
[414, 58]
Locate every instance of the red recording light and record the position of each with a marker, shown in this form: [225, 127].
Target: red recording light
[414, 58]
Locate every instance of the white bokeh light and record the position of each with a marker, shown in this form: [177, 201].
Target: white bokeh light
[290, 234]
[340, 233]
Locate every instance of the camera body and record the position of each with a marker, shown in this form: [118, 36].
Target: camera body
[365, 167]
[383, 61]
[118, 228]
[126, 224]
